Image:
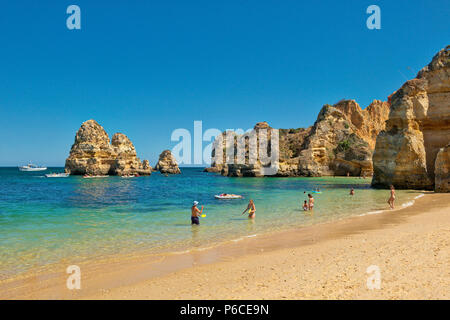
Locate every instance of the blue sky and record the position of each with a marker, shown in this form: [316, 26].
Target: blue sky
[145, 68]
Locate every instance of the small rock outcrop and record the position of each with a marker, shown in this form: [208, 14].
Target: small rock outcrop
[167, 163]
[93, 154]
[418, 127]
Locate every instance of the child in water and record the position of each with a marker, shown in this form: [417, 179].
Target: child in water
[305, 206]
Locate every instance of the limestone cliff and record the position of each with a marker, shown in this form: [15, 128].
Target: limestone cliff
[367, 123]
[334, 147]
[167, 163]
[93, 154]
[417, 128]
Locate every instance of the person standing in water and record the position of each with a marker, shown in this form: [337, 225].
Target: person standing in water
[352, 192]
[195, 213]
[392, 197]
[310, 201]
[251, 209]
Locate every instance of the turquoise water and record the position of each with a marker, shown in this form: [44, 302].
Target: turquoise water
[45, 220]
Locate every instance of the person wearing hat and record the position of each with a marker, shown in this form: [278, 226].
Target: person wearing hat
[195, 213]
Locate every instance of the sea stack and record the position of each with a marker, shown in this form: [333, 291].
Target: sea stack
[417, 129]
[167, 163]
[93, 154]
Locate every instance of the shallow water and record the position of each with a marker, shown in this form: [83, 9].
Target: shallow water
[43, 221]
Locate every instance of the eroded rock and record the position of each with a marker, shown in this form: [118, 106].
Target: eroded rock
[167, 163]
[340, 142]
[93, 154]
[417, 128]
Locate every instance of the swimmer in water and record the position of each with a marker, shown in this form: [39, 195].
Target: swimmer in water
[251, 209]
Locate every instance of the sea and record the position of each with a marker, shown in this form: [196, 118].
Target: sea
[46, 220]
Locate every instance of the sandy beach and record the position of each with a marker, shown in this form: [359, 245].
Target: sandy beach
[410, 246]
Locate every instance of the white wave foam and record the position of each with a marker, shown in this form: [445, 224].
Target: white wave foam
[419, 196]
[408, 204]
[371, 212]
[181, 252]
[204, 248]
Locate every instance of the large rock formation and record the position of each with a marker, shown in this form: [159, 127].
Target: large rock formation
[167, 163]
[417, 128]
[341, 141]
[93, 154]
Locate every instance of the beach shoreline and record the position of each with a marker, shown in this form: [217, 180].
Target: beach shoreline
[170, 276]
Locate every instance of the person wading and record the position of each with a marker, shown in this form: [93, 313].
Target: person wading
[195, 213]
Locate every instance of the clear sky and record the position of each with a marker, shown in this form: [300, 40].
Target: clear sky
[145, 68]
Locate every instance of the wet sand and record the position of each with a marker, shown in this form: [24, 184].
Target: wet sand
[329, 261]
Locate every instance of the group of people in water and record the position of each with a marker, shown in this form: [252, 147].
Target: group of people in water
[308, 205]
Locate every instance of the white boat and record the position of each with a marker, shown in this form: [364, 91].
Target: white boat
[57, 175]
[227, 196]
[32, 167]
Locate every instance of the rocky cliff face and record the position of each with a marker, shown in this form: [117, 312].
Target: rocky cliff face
[367, 123]
[341, 141]
[93, 154]
[167, 163]
[417, 128]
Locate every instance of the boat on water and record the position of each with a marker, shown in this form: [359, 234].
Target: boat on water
[228, 196]
[57, 175]
[32, 167]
